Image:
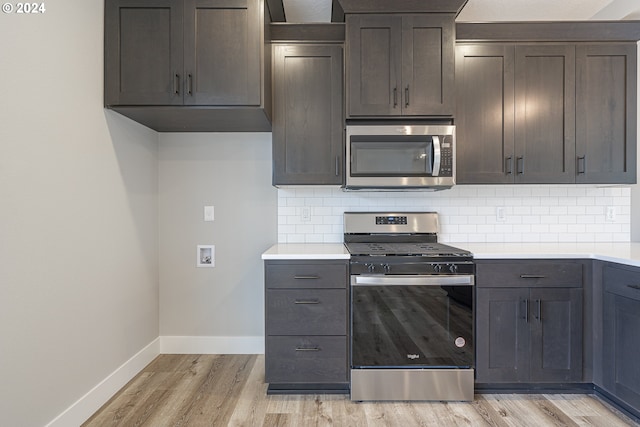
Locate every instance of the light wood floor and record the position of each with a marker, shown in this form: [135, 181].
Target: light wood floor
[228, 390]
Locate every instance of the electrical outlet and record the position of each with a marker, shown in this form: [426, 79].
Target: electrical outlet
[306, 213]
[610, 215]
[501, 215]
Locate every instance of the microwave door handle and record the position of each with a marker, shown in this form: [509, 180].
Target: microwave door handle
[436, 155]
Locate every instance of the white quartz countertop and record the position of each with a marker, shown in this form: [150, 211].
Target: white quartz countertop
[624, 253]
[306, 251]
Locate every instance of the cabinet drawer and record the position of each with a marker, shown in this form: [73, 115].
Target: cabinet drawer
[306, 275]
[306, 359]
[306, 311]
[543, 273]
[622, 281]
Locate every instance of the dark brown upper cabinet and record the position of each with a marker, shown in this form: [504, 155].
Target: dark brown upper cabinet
[400, 65]
[308, 119]
[606, 113]
[182, 54]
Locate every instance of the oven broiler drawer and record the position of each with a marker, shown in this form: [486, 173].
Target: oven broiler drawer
[306, 359]
[307, 311]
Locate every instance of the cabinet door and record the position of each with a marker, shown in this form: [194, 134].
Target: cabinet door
[143, 52]
[545, 114]
[484, 117]
[502, 349]
[374, 55]
[556, 334]
[222, 52]
[308, 115]
[606, 113]
[427, 65]
[621, 333]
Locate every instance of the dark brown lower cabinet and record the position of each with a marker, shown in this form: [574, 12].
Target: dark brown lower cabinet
[529, 322]
[306, 318]
[621, 333]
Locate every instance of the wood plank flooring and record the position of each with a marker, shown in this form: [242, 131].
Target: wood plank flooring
[229, 390]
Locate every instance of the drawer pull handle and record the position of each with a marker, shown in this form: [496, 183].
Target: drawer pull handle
[532, 276]
[637, 287]
[307, 349]
[315, 301]
[306, 277]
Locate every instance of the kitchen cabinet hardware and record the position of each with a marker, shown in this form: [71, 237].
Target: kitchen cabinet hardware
[307, 349]
[190, 83]
[306, 277]
[582, 164]
[337, 166]
[532, 276]
[395, 97]
[538, 315]
[406, 96]
[526, 310]
[307, 302]
[509, 165]
[520, 165]
[176, 84]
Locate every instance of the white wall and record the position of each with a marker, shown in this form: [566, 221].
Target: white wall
[78, 217]
[218, 309]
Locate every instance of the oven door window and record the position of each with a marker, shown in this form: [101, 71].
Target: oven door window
[410, 326]
[391, 156]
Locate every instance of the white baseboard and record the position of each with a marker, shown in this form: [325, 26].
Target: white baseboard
[88, 404]
[211, 345]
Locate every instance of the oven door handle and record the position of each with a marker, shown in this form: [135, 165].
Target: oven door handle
[408, 280]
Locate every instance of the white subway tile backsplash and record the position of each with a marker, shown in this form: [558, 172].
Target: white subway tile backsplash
[551, 213]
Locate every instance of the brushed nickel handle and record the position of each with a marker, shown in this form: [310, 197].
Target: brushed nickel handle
[520, 165]
[582, 164]
[306, 277]
[315, 301]
[337, 165]
[406, 96]
[395, 97]
[532, 276]
[307, 349]
[190, 81]
[509, 165]
[176, 84]
[526, 310]
[538, 314]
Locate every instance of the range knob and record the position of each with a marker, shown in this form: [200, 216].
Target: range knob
[453, 268]
[370, 267]
[386, 268]
[437, 268]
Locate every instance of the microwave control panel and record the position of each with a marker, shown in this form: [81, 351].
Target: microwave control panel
[446, 157]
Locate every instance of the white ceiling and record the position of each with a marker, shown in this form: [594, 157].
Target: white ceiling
[298, 11]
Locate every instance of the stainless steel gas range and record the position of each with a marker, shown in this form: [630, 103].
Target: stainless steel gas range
[412, 334]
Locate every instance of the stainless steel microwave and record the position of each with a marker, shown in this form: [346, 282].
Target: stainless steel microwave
[400, 157]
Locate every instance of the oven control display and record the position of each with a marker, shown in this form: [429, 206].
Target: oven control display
[391, 220]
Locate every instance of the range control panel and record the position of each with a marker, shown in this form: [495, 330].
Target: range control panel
[391, 220]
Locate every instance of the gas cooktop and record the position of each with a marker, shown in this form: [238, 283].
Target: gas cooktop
[429, 249]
